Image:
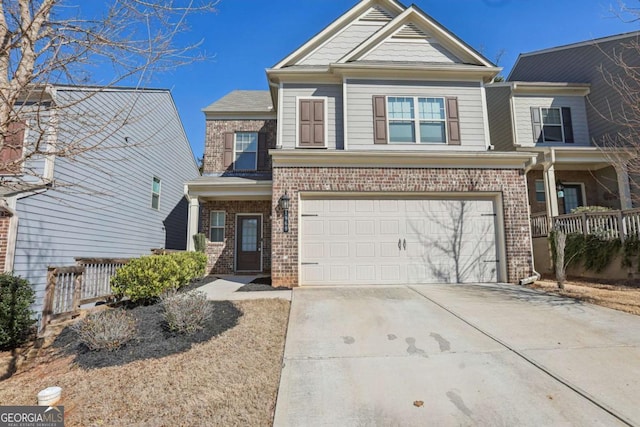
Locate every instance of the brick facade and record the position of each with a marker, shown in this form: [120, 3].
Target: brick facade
[510, 183]
[222, 255]
[5, 218]
[214, 143]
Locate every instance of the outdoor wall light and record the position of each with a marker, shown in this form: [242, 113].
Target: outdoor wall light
[560, 189]
[284, 205]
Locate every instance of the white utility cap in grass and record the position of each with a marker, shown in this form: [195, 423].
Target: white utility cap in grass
[49, 396]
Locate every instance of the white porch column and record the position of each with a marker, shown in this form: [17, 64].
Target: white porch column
[624, 187]
[550, 191]
[192, 225]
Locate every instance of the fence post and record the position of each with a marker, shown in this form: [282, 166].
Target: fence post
[49, 295]
[622, 226]
[77, 291]
[585, 224]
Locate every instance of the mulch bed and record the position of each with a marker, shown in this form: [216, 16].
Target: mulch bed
[154, 341]
[261, 284]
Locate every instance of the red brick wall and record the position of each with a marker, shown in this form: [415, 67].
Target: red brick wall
[4, 237]
[508, 182]
[221, 255]
[214, 142]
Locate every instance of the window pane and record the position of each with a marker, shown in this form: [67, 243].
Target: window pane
[402, 132]
[156, 185]
[400, 108]
[217, 235]
[155, 201]
[551, 116]
[433, 132]
[540, 196]
[250, 235]
[217, 219]
[431, 108]
[245, 161]
[552, 133]
[246, 141]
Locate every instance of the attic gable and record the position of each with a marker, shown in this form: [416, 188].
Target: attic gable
[427, 42]
[345, 34]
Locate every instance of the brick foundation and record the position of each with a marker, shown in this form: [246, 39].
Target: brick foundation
[222, 255]
[510, 183]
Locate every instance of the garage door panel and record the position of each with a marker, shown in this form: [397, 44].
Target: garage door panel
[365, 273]
[390, 226]
[339, 250]
[339, 227]
[312, 227]
[366, 250]
[366, 228]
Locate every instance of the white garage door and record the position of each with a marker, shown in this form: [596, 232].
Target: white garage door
[397, 241]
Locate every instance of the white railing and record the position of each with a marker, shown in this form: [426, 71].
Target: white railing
[607, 225]
[97, 277]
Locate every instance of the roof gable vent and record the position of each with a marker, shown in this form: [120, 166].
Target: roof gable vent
[410, 31]
[377, 13]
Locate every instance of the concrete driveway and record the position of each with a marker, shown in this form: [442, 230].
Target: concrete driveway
[472, 354]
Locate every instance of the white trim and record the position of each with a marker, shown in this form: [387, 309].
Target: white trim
[514, 120]
[153, 193]
[280, 120]
[261, 237]
[542, 124]
[193, 221]
[485, 116]
[235, 142]
[417, 121]
[224, 226]
[325, 99]
[345, 116]
[12, 237]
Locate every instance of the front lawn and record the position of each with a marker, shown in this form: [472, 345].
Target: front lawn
[228, 375]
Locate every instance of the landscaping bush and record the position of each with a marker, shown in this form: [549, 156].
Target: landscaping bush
[107, 330]
[200, 241]
[588, 209]
[16, 322]
[146, 279]
[186, 312]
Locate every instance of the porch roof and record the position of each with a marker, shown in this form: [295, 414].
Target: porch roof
[579, 158]
[229, 188]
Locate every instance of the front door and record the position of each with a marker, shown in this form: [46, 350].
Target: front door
[249, 243]
[572, 197]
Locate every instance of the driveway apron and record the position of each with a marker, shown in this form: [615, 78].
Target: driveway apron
[456, 355]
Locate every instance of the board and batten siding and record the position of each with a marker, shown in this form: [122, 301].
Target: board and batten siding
[343, 43]
[106, 210]
[334, 120]
[524, 126]
[359, 112]
[500, 122]
[411, 51]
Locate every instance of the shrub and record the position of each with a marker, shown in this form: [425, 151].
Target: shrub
[186, 312]
[146, 279]
[107, 330]
[200, 241]
[587, 209]
[16, 322]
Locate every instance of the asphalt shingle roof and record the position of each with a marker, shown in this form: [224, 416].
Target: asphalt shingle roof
[243, 101]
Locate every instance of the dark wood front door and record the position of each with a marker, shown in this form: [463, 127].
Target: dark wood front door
[249, 244]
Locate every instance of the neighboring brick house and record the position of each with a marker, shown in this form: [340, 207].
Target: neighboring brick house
[369, 161]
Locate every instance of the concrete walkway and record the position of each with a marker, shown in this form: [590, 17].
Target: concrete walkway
[456, 355]
[225, 289]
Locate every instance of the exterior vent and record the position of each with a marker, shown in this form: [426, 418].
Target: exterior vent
[377, 13]
[410, 31]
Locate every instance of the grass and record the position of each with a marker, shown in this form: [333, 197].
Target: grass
[618, 297]
[230, 379]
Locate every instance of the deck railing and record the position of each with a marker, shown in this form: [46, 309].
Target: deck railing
[608, 225]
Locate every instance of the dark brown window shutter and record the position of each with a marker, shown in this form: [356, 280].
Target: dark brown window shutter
[536, 120]
[379, 120]
[229, 138]
[453, 121]
[263, 152]
[568, 125]
[12, 148]
[312, 123]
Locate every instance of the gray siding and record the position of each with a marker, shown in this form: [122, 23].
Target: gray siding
[583, 64]
[411, 51]
[103, 205]
[334, 119]
[343, 43]
[499, 112]
[359, 111]
[524, 126]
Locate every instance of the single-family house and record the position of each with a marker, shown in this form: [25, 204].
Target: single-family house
[368, 161]
[120, 198]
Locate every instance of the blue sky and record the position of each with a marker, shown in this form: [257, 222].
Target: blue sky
[247, 36]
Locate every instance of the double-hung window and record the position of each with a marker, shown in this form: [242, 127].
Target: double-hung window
[416, 120]
[216, 226]
[155, 193]
[552, 125]
[246, 151]
[540, 193]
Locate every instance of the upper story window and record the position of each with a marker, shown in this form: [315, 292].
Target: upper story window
[416, 120]
[155, 193]
[552, 124]
[246, 151]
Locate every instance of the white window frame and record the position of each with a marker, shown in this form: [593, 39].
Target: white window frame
[417, 121]
[543, 191]
[153, 193]
[326, 119]
[235, 152]
[542, 125]
[223, 226]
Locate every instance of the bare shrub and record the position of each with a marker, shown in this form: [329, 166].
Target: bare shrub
[107, 330]
[186, 312]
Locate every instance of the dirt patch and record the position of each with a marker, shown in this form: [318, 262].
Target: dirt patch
[619, 297]
[231, 379]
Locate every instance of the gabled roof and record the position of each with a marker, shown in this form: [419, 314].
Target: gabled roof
[413, 19]
[243, 101]
[339, 24]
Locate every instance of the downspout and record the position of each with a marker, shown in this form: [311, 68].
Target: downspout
[12, 234]
[536, 276]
